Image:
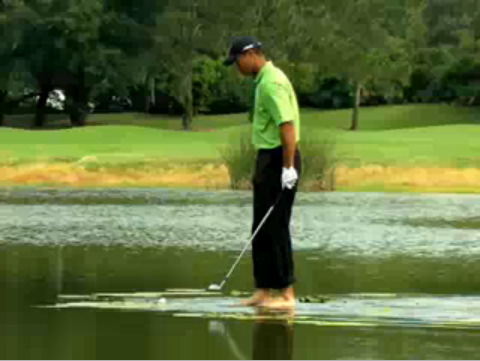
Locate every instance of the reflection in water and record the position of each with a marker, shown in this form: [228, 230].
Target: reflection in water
[218, 328]
[59, 270]
[272, 338]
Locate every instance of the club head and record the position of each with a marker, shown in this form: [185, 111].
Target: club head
[214, 287]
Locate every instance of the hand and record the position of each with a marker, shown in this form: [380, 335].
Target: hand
[289, 177]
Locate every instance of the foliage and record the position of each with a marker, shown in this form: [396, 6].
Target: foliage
[239, 158]
[318, 161]
[166, 56]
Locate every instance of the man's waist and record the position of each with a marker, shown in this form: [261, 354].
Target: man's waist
[275, 150]
[278, 149]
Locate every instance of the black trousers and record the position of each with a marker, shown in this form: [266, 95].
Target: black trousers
[272, 247]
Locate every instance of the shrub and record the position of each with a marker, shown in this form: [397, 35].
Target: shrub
[239, 158]
[318, 161]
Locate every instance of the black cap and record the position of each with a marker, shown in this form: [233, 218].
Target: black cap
[239, 45]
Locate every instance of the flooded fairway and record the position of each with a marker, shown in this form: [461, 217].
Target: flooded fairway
[379, 276]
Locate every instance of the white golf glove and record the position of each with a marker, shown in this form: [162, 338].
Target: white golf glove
[289, 177]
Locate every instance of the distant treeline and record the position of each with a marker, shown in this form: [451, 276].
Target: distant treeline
[165, 56]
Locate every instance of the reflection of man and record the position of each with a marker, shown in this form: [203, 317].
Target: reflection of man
[272, 337]
[272, 340]
[276, 131]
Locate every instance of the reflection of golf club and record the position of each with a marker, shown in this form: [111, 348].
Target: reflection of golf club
[216, 287]
[218, 327]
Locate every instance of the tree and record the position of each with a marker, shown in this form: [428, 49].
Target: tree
[99, 53]
[13, 15]
[217, 89]
[6, 56]
[365, 41]
[84, 56]
[80, 47]
[179, 30]
[144, 65]
[39, 51]
[445, 62]
[186, 29]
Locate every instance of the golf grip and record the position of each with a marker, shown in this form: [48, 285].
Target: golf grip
[270, 210]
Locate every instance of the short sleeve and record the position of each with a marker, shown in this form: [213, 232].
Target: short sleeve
[277, 101]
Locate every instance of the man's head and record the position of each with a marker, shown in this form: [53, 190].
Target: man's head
[246, 52]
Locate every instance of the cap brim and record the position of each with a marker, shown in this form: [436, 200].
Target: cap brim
[229, 61]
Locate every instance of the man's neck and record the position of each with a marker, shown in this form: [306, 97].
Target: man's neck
[258, 67]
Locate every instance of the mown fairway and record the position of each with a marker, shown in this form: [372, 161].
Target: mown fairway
[426, 135]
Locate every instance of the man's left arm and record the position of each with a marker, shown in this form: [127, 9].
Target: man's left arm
[276, 98]
[289, 143]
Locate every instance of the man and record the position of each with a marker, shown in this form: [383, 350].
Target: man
[276, 131]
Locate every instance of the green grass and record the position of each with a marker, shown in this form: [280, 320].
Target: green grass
[371, 118]
[110, 141]
[447, 145]
[394, 117]
[437, 135]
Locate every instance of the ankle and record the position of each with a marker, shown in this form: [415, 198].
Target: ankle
[288, 294]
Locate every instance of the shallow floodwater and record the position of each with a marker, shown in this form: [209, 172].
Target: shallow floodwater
[387, 276]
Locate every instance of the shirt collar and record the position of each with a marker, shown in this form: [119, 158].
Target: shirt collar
[268, 65]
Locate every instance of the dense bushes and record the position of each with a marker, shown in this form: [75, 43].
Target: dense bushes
[221, 90]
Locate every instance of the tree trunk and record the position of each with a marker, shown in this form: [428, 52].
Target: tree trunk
[3, 106]
[356, 108]
[40, 115]
[187, 98]
[187, 113]
[149, 92]
[152, 88]
[78, 109]
[78, 114]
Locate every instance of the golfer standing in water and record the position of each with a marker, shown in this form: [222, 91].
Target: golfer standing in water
[276, 131]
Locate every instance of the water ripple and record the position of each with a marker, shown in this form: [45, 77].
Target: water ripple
[351, 223]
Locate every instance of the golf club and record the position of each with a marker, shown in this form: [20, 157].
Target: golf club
[218, 287]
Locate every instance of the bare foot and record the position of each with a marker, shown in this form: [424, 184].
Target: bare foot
[260, 296]
[277, 303]
[285, 300]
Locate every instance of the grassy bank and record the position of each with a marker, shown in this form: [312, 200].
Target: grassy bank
[215, 176]
[408, 148]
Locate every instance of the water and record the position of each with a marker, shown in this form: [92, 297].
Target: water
[399, 274]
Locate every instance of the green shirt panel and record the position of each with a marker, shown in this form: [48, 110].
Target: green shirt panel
[275, 104]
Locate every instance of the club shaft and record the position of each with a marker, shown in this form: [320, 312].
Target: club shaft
[270, 210]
